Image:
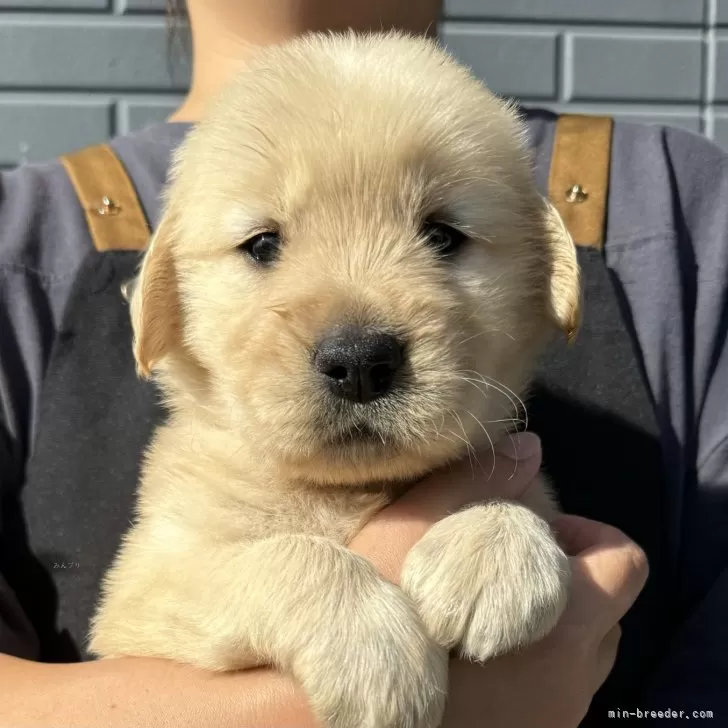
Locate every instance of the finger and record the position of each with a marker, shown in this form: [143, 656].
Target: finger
[606, 656]
[577, 534]
[391, 533]
[608, 572]
[506, 472]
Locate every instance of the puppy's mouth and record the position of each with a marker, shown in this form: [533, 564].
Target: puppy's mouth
[361, 434]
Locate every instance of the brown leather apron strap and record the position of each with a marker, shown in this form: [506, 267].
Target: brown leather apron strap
[578, 186]
[113, 212]
[579, 176]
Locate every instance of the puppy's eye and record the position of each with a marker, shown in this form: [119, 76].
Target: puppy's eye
[263, 248]
[446, 240]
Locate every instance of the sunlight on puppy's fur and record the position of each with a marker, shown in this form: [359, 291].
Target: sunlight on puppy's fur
[351, 280]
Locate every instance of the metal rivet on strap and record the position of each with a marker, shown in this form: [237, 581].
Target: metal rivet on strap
[108, 207]
[576, 194]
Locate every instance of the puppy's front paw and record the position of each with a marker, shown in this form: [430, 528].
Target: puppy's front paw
[375, 666]
[489, 579]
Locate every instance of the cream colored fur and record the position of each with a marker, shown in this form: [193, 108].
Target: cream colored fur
[237, 556]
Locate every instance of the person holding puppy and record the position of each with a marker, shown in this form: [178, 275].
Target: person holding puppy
[552, 683]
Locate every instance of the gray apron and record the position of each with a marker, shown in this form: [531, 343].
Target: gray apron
[65, 521]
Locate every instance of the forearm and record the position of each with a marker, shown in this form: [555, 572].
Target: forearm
[140, 692]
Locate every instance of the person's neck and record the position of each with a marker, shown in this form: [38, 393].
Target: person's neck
[222, 46]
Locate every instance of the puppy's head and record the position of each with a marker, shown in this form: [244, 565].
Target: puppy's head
[354, 270]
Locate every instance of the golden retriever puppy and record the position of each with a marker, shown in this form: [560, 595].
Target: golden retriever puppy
[353, 274]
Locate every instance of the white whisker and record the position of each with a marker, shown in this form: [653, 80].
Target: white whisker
[471, 449]
[474, 383]
[507, 391]
[512, 420]
[487, 434]
[474, 336]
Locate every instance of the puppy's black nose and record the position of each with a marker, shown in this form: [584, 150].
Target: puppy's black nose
[359, 365]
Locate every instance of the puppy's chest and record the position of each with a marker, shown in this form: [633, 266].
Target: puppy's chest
[336, 515]
[206, 494]
[261, 513]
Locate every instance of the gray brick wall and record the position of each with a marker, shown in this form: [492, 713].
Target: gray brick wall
[74, 72]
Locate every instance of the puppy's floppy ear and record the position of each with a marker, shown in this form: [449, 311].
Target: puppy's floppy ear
[155, 302]
[564, 286]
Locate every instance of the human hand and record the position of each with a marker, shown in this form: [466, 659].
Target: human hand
[551, 683]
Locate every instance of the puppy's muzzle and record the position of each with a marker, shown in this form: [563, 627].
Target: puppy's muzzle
[359, 365]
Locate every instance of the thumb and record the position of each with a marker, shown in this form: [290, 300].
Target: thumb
[506, 471]
[609, 571]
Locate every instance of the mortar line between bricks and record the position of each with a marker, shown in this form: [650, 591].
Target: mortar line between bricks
[8, 11]
[101, 91]
[113, 118]
[602, 24]
[84, 96]
[643, 108]
[121, 116]
[559, 67]
[640, 32]
[709, 77]
[72, 17]
[105, 11]
[567, 67]
[638, 101]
